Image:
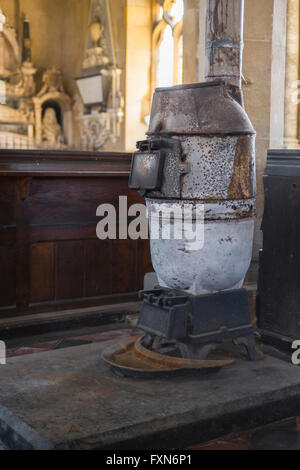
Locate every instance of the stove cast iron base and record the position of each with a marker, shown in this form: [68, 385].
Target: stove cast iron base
[198, 323]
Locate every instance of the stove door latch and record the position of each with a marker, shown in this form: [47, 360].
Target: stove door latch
[157, 168]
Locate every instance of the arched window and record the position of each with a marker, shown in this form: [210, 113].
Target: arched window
[167, 43]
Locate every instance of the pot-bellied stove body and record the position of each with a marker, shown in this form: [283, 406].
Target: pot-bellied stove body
[199, 154]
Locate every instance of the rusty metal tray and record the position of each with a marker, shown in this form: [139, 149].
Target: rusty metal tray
[130, 358]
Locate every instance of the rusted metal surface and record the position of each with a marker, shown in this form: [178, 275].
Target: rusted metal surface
[218, 146]
[130, 357]
[198, 109]
[224, 40]
[221, 168]
[217, 142]
[213, 209]
[242, 185]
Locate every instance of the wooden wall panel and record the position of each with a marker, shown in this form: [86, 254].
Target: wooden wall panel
[22, 245]
[7, 276]
[50, 257]
[7, 197]
[70, 270]
[98, 267]
[123, 266]
[42, 277]
[64, 201]
[7, 236]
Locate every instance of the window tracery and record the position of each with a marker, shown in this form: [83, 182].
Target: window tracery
[167, 43]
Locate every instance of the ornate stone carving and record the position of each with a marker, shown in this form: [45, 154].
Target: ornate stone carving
[51, 130]
[8, 114]
[103, 122]
[94, 130]
[27, 119]
[95, 55]
[99, 49]
[53, 94]
[10, 55]
[27, 85]
[53, 82]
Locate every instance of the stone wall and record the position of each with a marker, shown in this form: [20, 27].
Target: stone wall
[58, 33]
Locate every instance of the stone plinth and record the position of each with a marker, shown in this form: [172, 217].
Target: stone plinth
[69, 400]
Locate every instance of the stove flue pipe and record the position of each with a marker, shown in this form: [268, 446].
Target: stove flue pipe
[224, 40]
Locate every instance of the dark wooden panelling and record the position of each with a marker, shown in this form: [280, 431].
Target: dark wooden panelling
[7, 207]
[7, 236]
[123, 266]
[7, 242]
[279, 267]
[22, 245]
[7, 189]
[72, 201]
[67, 163]
[98, 268]
[50, 256]
[62, 232]
[7, 276]
[70, 269]
[279, 277]
[42, 272]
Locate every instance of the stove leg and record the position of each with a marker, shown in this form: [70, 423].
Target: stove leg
[148, 340]
[255, 354]
[196, 351]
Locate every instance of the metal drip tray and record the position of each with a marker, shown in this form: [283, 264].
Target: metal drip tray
[131, 358]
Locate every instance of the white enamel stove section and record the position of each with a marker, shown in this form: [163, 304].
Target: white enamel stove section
[220, 265]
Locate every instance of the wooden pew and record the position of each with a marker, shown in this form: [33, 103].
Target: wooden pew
[50, 256]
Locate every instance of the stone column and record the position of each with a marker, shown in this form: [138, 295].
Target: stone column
[277, 98]
[191, 40]
[292, 76]
[138, 62]
[38, 120]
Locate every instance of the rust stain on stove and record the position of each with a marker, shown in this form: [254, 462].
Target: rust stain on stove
[241, 181]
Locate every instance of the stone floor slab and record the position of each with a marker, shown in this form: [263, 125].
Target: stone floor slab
[68, 399]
